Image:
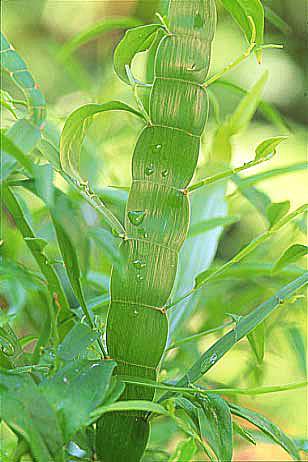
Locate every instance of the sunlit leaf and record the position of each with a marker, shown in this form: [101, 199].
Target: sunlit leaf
[291, 255]
[185, 451]
[268, 147]
[276, 211]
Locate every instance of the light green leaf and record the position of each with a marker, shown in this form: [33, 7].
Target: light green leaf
[247, 107]
[243, 433]
[212, 223]
[245, 326]
[185, 451]
[135, 41]
[268, 147]
[267, 427]
[277, 20]
[74, 132]
[276, 211]
[298, 345]
[216, 425]
[291, 255]
[95, 31]
[240, 10]
[256, 339]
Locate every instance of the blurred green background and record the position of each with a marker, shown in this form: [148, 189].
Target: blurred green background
[38, 29]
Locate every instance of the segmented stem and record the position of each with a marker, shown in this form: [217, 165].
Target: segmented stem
[157, 218]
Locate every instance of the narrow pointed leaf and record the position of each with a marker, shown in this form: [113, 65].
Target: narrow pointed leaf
[135, 41]
[216, 425]
[267, 427]
[256, 339]
[185, 451]
[94, 32]
[75, 129]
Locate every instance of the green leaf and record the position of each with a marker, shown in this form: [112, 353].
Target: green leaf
[253, 179]
[291, 255]
[243, 433]
[216, 425]
[72, 265]
[256, 339]
[74, 132]
[132, 405]
[44, 183]
[265, 108]
[240, 10]
[185, 451]
[212, 223]
[276, 211]
[268, 147]
[54, 285]
[76, 342]
[245, 326]
[76, 390]
[36, 243]
[277, 20]
[8, 147]
[28, 413]
[247, 107]
[298, 345]
[95, 31]
[267, 427]
[134, 41]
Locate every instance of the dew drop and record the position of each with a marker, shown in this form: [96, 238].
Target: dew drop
[149, 170]
[213, 358]
[138, 264]
[142, 233]
[139, 277]
[164, 173]
[136, 217]
[65, 380]
[158, 147]
[136, 312]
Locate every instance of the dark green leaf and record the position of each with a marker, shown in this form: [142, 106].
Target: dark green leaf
[76, 342]
[28, 413]
[76, 390]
